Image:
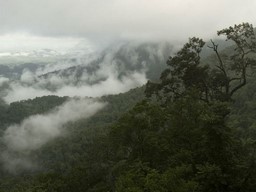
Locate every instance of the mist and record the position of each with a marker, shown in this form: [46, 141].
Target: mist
[114, 70]
[111, 85]
[3, 80]
[32, 133]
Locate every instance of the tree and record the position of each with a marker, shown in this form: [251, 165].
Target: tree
[183, 74]
[236, 73]
[197, 99]
[219, 82]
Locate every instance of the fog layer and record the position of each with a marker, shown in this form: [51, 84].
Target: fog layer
[35, 131]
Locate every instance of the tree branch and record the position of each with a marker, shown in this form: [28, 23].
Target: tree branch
[241, 84]
[221, 65]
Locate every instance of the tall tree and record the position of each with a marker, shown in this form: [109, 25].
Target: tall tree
[219, 82]
[235, 72]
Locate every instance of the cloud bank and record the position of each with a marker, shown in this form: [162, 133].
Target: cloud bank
[112, 85]
[114, 70]
[3, 80]
[35, 131]
[132, 19]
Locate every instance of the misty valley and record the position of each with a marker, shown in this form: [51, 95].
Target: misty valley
[132, 116]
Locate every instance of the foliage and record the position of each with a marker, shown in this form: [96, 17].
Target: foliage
[218, 83]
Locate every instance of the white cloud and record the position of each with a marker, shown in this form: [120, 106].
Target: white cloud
[15, 41]
[35, 131]
[3, 80]
[112, 85]
[109, 76]
[143, 19]
[27, 77]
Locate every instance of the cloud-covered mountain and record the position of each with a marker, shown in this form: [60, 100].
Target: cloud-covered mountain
[116, 69]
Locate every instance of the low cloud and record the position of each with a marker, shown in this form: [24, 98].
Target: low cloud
[112, 85]
[35, 131]
[3, 80]
[114, 70]
[27, 77]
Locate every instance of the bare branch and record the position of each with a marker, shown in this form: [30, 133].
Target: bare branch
[221, 64]
[234, 79]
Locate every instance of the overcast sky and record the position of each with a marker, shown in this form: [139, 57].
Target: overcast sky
[121, 19]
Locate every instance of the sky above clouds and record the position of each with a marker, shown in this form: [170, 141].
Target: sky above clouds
[122, 19]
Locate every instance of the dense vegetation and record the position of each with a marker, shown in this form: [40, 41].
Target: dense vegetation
[195, 130]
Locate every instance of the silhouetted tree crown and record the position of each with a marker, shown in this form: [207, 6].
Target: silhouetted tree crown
[219, 82]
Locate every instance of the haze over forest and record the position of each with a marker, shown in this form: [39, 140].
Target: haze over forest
[127, 95]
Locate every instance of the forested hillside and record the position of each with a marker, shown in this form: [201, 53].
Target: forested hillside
[192, 130]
